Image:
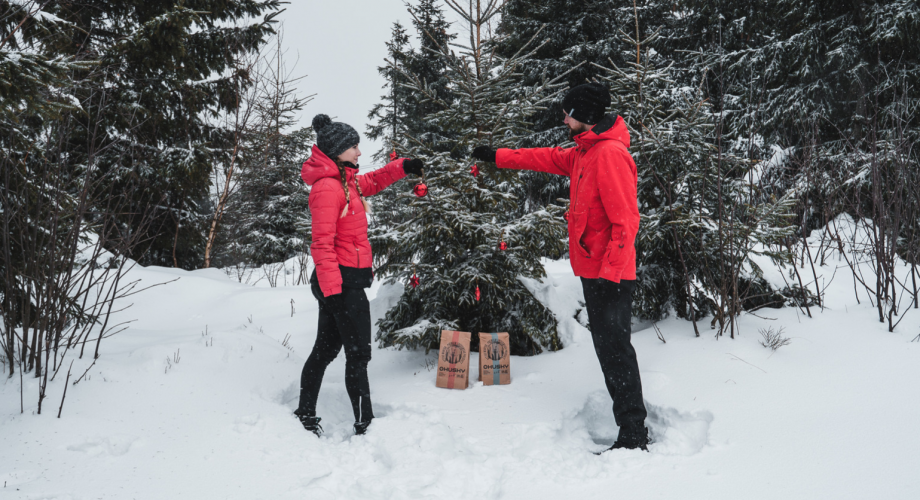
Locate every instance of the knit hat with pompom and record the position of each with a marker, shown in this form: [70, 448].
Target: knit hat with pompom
[334, 138]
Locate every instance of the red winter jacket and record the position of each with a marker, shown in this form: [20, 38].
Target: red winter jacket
[603, 209]
[341, 240]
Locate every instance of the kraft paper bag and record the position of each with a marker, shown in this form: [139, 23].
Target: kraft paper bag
[494, 358]
[454, 360]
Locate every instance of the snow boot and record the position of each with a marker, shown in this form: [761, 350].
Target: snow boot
[629, 446]
[361, 427]
[631, 441]
[311, 424]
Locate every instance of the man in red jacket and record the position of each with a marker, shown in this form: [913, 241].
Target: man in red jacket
[603, 221]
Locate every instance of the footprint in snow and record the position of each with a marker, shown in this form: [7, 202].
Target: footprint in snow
[674, 432]
[115, 445]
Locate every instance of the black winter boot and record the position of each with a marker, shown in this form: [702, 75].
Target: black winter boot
[632, 441]
[629, 446]
[361, 427]
[311, 424]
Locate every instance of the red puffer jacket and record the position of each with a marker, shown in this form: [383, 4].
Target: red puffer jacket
[603, 209]
[341, 240]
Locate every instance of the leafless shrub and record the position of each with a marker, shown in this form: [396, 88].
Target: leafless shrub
[773, 339]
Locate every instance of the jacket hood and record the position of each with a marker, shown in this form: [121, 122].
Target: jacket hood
[319, 166]
[612, 127]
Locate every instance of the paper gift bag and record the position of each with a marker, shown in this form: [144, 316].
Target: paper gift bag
[454, 360]
[494, 358]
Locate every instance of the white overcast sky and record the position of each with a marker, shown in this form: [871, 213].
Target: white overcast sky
[338, 45]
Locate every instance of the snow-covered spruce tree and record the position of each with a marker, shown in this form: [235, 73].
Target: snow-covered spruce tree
[402, 112]
[704, 213]
[451, 239]
[35, 190]
[813, 88]
[161, 70]
[577, 32]
[271, 215]
[389, 115]
[800, 84]
[266, 217]
[58, 224]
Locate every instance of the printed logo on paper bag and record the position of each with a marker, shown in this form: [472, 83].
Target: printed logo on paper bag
[453, 353]
[494, 350]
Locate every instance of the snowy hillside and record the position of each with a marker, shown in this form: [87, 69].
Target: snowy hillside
[195, 399]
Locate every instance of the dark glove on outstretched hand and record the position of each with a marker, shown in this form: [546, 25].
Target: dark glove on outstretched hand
[413, 166]
[484, 153]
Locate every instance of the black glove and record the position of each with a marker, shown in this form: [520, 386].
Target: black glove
[413, 166]
[335, 303]
[484, 153]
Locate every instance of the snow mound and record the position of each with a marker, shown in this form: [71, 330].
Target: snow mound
[195, 401]
[673, 432]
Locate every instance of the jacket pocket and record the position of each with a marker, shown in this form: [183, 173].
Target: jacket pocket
[617, 246]
[578, 222]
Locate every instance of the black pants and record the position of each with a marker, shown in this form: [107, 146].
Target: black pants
[350, 328]
[609, 307]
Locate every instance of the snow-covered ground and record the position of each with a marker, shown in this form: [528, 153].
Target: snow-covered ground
[835, 414]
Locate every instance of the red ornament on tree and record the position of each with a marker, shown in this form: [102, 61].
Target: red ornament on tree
[393, 155]
[565, 216]
[474, 170]
[414, 280]
[420, 189]
[503, 246]
[477, 293]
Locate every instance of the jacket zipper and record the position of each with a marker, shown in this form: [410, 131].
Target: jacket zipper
[578, 183]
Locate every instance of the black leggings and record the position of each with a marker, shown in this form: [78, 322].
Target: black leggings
[609, 307]
[351, 328]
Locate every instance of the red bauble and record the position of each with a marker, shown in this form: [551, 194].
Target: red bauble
[420, 189]
[477, 293]
[474, 170]
[502, 246]
[565, 216]
[414, 280]
[393, 155]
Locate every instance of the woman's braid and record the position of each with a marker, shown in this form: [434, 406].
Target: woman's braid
[367, 207]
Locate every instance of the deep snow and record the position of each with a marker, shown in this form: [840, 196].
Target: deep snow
[832, 415]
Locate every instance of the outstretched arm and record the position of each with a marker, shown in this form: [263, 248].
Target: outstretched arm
[375, 181]
[550, 160]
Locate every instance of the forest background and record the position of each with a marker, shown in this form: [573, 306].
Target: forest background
[165, 133]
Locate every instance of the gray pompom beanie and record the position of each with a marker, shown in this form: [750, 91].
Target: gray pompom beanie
[334, 138]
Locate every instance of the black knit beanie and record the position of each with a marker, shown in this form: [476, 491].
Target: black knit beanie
[334, 138]
[586, 103]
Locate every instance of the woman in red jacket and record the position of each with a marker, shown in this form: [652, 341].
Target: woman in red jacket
[342, 256]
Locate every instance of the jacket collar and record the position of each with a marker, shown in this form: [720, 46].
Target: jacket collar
[320, 166]
[612, 127]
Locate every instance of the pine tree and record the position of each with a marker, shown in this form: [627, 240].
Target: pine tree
[162, 71]
[401, 111]
[266, 219]
[705, 213]
[390, 114]
[451, 238]
[36, 190]
[402, 114]
[580, 34]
